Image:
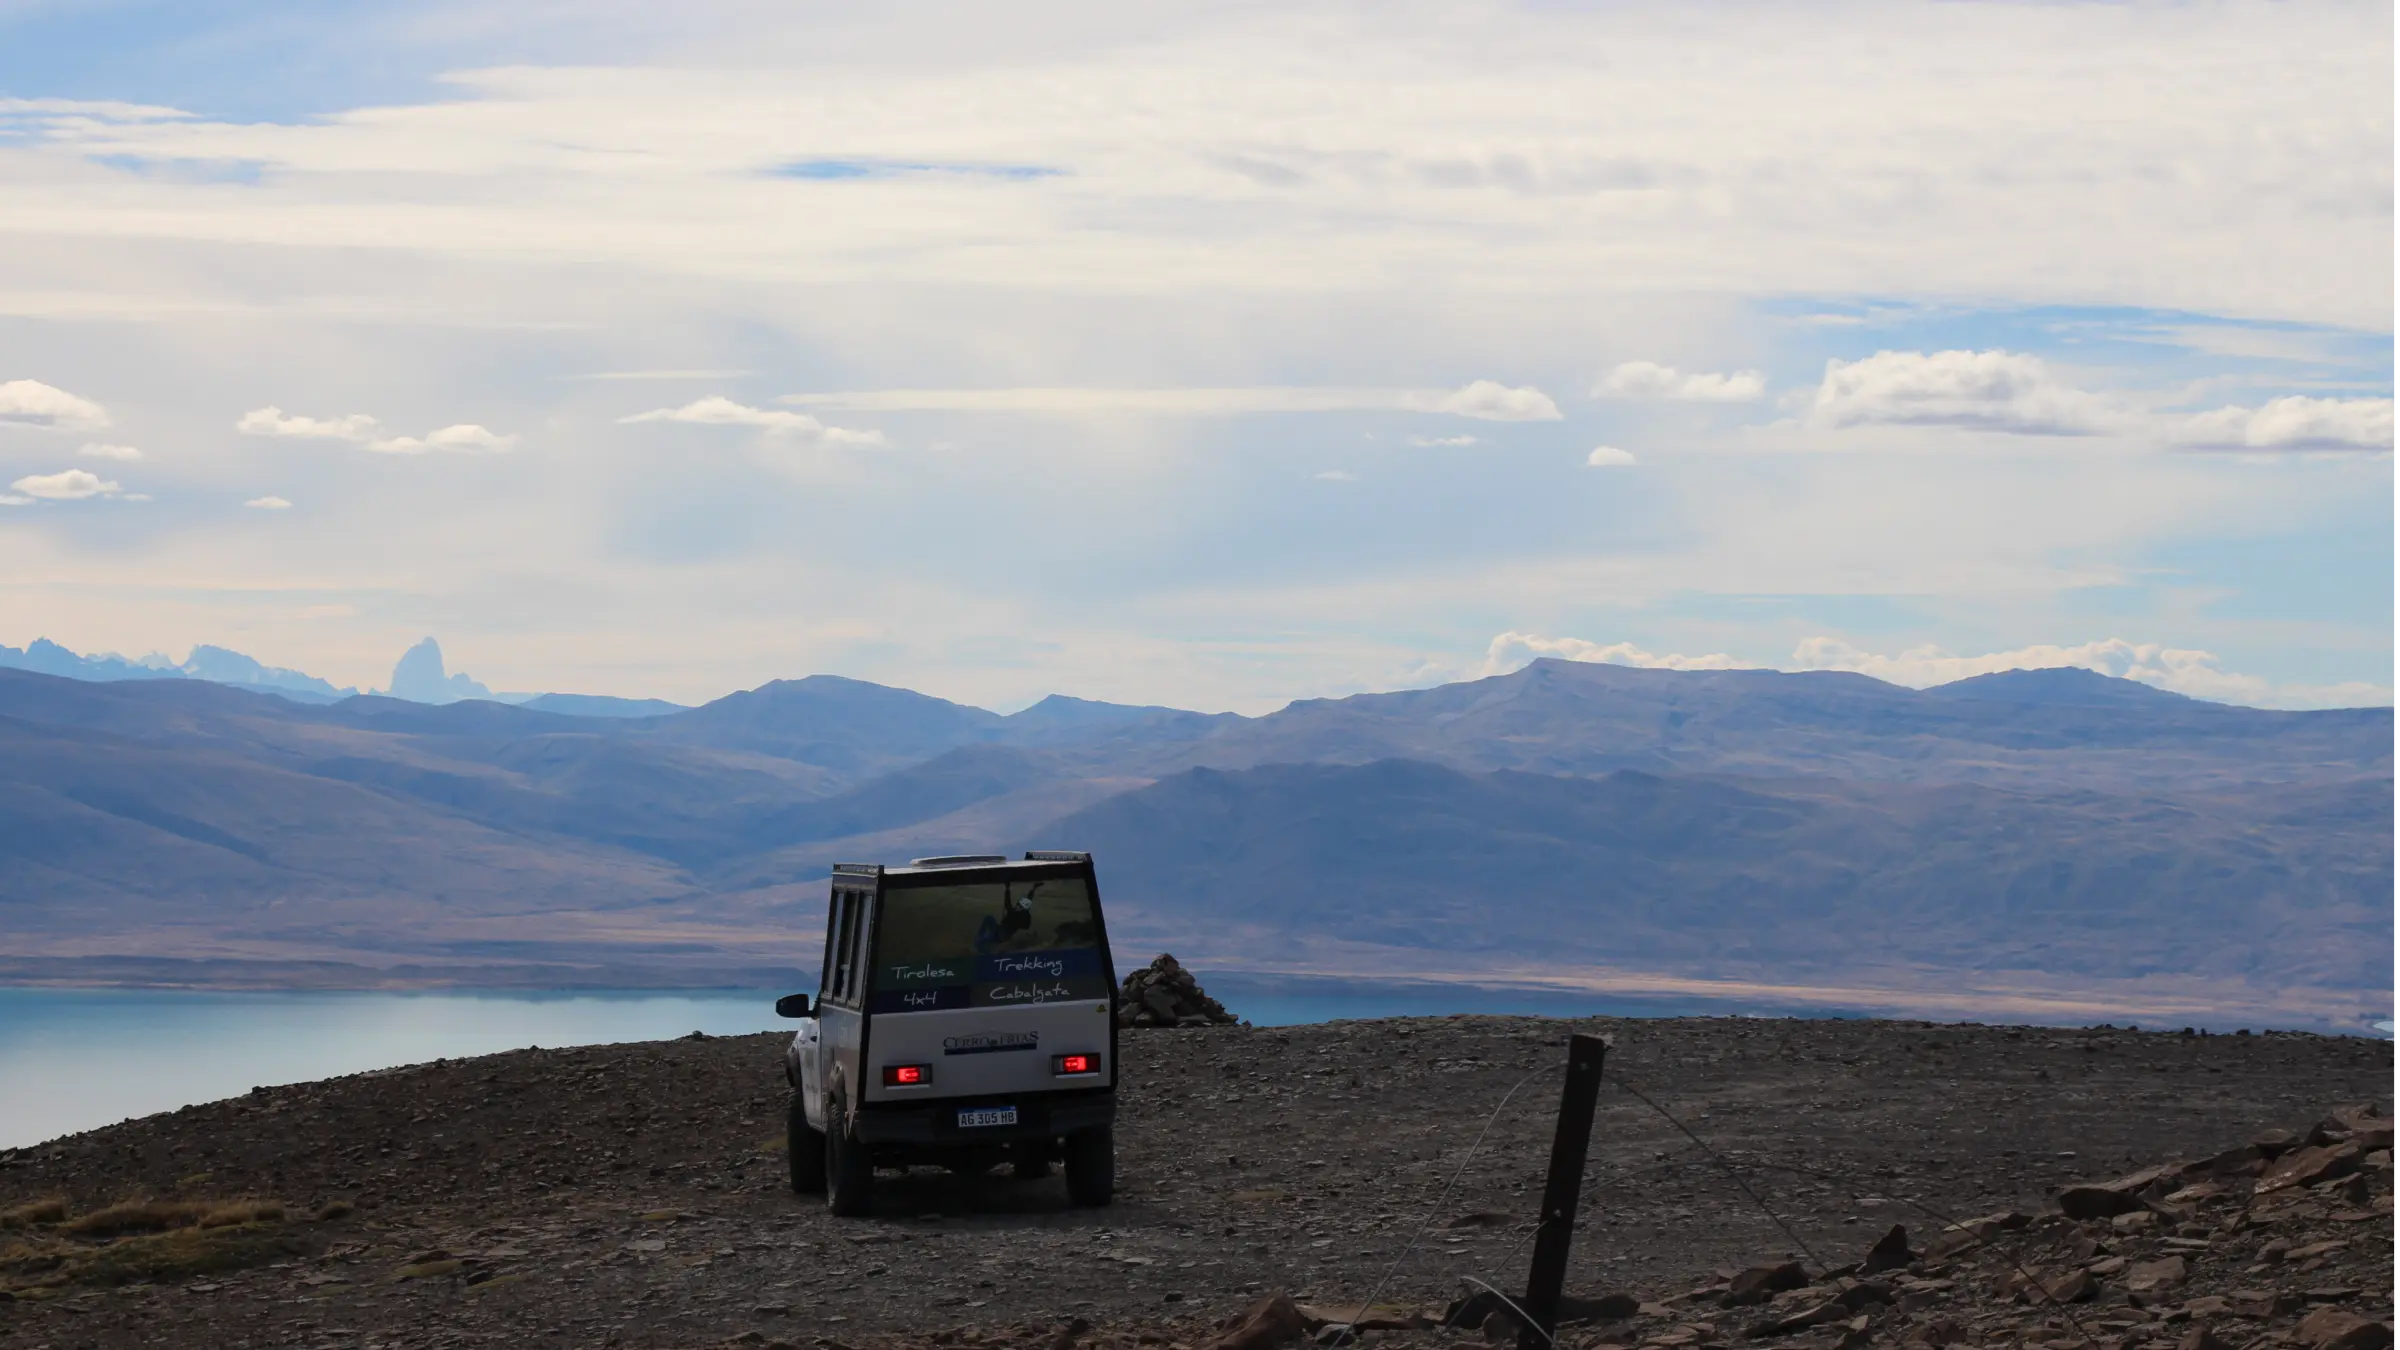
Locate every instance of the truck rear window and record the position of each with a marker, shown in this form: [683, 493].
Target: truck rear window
[988, 944]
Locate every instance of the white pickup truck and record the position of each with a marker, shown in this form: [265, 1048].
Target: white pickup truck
[963, 1018]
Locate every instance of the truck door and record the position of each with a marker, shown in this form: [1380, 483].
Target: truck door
[842, 1019]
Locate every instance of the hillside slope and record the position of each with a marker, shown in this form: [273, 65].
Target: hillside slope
[1696, 825]
[1721, 875]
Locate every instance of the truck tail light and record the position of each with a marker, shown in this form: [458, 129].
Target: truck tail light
[907, 1075]
[1069, 1065]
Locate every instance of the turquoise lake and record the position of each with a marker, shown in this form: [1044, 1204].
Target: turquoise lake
[75, 1059]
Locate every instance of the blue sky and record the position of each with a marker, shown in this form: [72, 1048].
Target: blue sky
[1164, 357]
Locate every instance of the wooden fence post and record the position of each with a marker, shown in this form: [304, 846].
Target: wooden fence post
[1585, 1055]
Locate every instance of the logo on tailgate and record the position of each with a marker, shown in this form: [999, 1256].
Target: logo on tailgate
[988, 1042]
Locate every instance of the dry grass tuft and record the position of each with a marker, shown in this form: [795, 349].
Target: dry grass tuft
[33, 1213]
[162, 1257]
[141, 1241]
[138, 1216]
[243, 1211]
[332, 1209]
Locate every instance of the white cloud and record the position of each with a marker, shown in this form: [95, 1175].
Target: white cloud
[2295, 423]
[1429, 441]
[2199, 674]
[464, 437]
[33, 403]
[659, 375]
[1648, 379]
[360, 429]
[1989, 391]
[1336, 476]
[118, 452]
[268, 504]
[70, 485]
[1609, 457]
[1490, 401]
[1511, 650]
[273, 421]
[718, 411]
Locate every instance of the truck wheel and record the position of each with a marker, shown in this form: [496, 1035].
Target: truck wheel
[1091, 1167]
[1029, 1160]
[806, 1145]
[849, 1168]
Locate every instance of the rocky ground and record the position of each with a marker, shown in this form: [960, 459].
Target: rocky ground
[634, 1195]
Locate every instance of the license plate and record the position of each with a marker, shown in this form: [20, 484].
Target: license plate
[989, 1115]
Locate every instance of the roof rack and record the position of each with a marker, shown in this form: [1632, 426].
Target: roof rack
[1055, 855]
[960, 860]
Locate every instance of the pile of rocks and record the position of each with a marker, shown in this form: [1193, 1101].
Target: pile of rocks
[1164, 994]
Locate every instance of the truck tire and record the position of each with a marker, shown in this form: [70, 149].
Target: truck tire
[1029, 1160]
[806, 1145]
[849, 1167]
[1091, 1167]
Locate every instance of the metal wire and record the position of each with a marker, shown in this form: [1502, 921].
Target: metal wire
[1513, 1306]
[1729, 1168]
[1350, 1329]
[1722, 1165]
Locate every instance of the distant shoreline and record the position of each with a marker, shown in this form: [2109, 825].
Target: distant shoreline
[1657, 994]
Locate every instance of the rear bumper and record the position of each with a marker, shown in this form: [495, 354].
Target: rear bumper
[1040, 1115]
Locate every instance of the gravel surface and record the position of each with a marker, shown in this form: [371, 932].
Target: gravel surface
[635, 1194]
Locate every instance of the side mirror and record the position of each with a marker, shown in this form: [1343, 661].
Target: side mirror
[794, 1005]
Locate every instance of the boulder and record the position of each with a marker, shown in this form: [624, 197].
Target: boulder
[2359, 1125]
[2073, 1287]
[2335, 1329]
[2096, 1202]
[1967, 1233]
[1271, 1322]
[2308, 1166]
[1822, 1314]
[2147, 1277]
[1164, 994]
[1890, 1252]
[1758, 1282]
[2107, 1199]
[2274, 1143]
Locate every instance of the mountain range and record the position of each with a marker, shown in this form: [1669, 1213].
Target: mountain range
[2055, 840]
[419, 677]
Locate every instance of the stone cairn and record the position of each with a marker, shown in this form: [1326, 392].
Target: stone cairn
[1164, 994]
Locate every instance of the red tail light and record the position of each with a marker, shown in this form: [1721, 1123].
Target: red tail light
[1075, 1064]
[907, 1075]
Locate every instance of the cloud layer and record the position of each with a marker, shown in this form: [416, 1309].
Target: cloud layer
[719, 411]
[1485, 400]
[360, 429]
[1648, 379]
